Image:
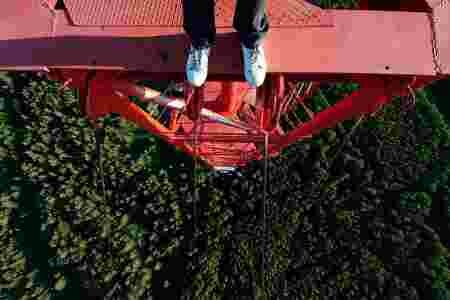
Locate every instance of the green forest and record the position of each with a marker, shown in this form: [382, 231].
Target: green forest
[360, 211]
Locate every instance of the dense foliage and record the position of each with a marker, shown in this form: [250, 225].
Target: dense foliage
[359, 212]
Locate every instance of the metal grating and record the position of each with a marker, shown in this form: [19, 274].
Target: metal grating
[210, 147]
[168, 13]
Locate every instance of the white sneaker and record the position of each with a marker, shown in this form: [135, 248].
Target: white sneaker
[255, 65]
[197, 65]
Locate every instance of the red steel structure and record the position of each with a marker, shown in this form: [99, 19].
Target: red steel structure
[104, 48]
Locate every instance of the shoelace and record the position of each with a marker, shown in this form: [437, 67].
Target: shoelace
[253, 55]
[196, 57]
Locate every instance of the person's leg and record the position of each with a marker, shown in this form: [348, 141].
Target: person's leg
[199, 22]
[251, 22]
[252, 25]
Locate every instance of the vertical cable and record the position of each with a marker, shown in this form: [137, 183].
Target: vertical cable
[99, 139]
[264, 216]
[195, 132]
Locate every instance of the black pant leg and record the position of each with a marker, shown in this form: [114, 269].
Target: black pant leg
[251, 22]
[199, 22]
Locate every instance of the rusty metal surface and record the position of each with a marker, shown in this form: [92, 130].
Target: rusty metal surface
[169, 13]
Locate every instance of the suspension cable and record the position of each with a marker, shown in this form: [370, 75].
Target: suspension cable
[99, 140]
[266, 228]
[195, 179]
[195, 194]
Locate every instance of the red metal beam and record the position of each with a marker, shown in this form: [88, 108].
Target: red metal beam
[372, 95]
[232, 96]
[343, 49]
[268, 98]
[214, 77]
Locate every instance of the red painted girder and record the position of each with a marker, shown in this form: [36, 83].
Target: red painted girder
[318, 77]
[361, 42]
[373, 94]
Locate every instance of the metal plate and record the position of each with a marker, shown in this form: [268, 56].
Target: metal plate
[361, 42]
[162, 13]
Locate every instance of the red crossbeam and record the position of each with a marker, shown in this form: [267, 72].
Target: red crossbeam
[359, 42]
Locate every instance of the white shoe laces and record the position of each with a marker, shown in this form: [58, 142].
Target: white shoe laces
[253, 55]
[196, 55]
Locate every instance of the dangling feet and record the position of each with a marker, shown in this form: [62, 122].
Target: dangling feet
[197, 65]
[255, 66]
